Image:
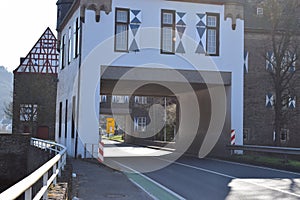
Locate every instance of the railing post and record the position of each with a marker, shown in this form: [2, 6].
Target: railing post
[28, 194]
[63, 162]
[45, 179]
[59, 167]
[285, 159]
[84, 150]
[92, 150]
[54, 171]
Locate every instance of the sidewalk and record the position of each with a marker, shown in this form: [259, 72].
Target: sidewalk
[95, 181]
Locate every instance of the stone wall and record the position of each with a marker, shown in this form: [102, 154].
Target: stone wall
[18, 159]
[35, 89]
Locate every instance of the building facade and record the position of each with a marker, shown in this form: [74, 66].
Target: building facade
[35, 88]
[259, 96]
[152, 48]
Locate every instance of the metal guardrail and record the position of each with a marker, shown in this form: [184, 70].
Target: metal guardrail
[267, 149]
[25, 186]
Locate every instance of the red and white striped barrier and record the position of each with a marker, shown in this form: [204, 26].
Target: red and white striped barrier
[101, 152]
[232, 139]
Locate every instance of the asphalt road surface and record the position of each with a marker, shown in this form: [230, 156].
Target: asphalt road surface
[163, 177]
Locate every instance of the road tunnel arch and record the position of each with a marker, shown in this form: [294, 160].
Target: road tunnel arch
[156, 85]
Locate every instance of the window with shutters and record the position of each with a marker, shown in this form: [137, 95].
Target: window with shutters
[121, 29]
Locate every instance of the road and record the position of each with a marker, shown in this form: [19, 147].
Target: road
[162, 177]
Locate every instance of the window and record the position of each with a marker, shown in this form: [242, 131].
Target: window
[270, 61]
[288, 62]
[246, 134]
[28, 112]
[66, 119]
[260, 11]
[121, 29]
[212, 34]
[76, 38]
[168, 31]
[120, 99]
[140, 100]
[284, 134]
[70, 46]
[73, 117]
[62, 52]
[60, 119]
[140, 124]
[103, 98]
[58, 13]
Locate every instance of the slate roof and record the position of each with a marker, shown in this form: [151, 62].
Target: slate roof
[64, 7]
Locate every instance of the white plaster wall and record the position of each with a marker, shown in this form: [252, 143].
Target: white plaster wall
[98, 50]
[66, 89]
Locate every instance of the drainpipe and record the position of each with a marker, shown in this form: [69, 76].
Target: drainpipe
[165, 129]
[78, 87]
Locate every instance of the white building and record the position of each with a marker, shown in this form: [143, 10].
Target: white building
[117, 46]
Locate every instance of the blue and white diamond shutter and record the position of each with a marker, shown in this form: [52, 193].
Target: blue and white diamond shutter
[292, 102]
[293, 64]
[246, 61]
[134, 29]
[180, 31]
[270, 60]
[201, 32]
[269, 100]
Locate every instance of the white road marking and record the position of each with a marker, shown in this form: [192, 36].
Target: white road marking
[254, 166]
[153, 181]
[231, 177]
[135, 183]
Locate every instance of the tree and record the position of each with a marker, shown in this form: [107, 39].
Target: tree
[283, 51]
[8, 110]
[170, 104]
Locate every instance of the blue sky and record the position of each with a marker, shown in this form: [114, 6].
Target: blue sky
[22, 22]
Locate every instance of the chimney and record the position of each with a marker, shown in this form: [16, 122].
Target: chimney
[22, 60]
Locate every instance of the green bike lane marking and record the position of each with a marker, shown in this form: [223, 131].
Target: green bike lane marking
[155, 189]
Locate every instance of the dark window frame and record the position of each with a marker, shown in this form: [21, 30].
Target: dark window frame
[73, 117]
[173, 12]
[127, 29]
[60, 120]
[63, 52]
[217, 28]
[28, 112]
[140, 124]
[284, 135]
[77, 41]
[66, 119]
[70, 45]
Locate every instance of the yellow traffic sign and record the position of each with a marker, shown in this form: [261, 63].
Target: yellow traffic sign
[110, 125]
